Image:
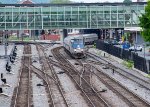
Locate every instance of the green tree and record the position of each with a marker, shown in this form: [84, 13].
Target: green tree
[145, 23]
[127, 1]
[60, 1]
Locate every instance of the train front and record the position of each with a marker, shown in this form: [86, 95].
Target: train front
[78, 48]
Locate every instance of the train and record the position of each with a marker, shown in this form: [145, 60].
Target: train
[76, 44]
[89, 39]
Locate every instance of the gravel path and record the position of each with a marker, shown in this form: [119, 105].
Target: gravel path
[73, 96]
[39, 92]
[109, 96]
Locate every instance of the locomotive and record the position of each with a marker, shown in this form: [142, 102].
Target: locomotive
[75, 45]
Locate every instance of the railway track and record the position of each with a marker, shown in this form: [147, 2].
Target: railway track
[23, 94]
[92, 97]
[131, 98]
[143, 83]
[49, 76]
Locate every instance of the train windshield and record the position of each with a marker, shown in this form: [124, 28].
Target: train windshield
[77, 43]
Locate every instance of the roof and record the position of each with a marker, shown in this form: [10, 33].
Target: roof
[132, 28]
[73, 4]
[26, 2]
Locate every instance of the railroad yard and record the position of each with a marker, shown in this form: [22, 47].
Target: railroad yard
[45, 75]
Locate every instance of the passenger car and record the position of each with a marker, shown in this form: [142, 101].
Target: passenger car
[89, 38]
[135, 48]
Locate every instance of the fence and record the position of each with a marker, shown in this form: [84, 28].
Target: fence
[139, 62]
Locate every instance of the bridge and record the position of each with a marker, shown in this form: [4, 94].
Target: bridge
[66, 16]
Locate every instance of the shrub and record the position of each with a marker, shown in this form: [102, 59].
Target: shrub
[128, 63]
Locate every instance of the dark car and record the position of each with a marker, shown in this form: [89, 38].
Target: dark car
[112, 42]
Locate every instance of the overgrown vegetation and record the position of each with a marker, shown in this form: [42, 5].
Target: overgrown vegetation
[148, 76]
[128, 63]
[145, 23]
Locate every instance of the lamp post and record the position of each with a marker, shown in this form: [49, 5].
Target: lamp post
[144, 49]
[135, 44]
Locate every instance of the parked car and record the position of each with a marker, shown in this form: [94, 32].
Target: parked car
[120, 42]
[135, 48]
[112, 42]
[126, 45]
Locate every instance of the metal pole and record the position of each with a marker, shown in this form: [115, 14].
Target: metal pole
[136, 37]
[5, 45]
[144, 50]
[135, 41]
[33, 34]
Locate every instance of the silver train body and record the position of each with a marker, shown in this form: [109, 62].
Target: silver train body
[75, 45]
[89, 39]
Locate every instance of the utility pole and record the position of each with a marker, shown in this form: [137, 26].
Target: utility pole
[5, 34]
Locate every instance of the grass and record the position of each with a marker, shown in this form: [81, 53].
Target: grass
[148, 75]
[13, 38]
[128, 63]
[16, 38]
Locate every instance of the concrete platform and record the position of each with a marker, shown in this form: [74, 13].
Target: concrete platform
[10, 47]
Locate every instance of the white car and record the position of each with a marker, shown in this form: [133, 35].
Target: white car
[135, 48]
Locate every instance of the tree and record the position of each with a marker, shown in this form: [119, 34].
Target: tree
[145, 23]
[127, 1]
[60, 1]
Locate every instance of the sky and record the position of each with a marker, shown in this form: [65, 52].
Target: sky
[90, 1]
[46, 1]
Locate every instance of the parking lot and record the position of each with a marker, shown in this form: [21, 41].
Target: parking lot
[144, 53]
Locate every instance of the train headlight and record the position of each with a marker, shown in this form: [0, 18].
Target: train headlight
[75, 50]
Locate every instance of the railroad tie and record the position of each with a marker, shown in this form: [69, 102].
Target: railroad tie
[1, 75]
[1, 90]
[3, 80]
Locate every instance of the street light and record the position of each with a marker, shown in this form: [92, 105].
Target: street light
[144, 49]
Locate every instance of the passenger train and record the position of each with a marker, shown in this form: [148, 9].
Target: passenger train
[76, 44]
[89, 39]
